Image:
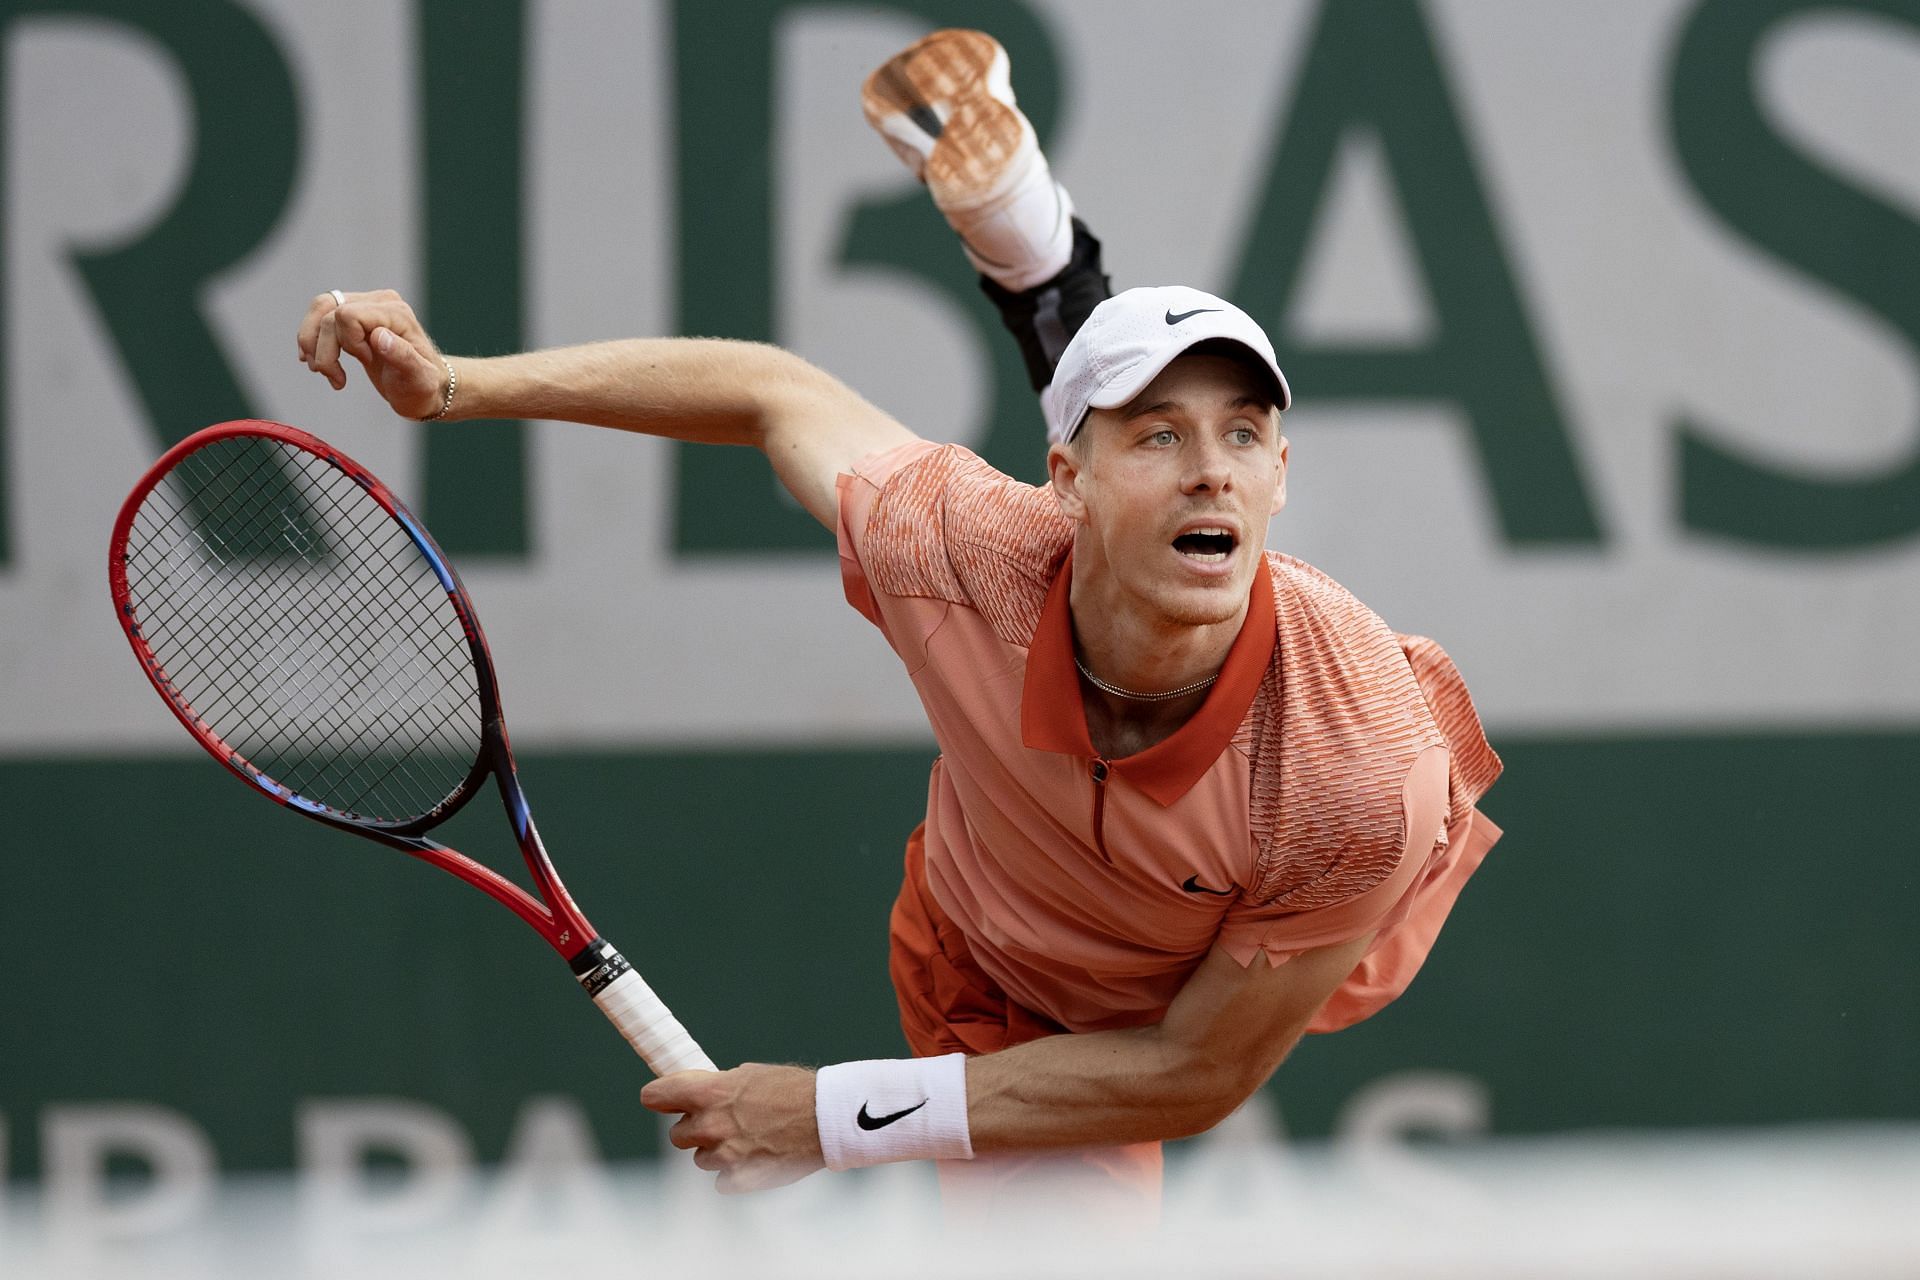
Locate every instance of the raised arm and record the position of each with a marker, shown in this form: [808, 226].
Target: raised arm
[811, 426]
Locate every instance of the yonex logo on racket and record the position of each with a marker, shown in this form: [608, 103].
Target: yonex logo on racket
[601, 977]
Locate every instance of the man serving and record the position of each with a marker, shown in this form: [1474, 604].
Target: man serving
[1193, 798]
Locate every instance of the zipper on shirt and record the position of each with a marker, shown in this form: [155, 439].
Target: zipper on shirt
[1099, 770]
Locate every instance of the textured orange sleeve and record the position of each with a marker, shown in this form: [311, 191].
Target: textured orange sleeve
[1475, 766]
[947, 526]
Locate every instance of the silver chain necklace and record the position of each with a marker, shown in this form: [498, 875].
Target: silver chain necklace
[1118, 692]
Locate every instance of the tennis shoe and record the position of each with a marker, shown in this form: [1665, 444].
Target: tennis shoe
[945, 105]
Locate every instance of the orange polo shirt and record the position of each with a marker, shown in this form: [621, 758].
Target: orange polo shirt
[1312, 799]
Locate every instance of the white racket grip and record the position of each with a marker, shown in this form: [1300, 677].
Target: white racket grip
[650, 1026]
[642, 1017]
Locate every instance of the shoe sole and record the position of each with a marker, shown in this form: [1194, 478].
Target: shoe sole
[946, 67]
[953, 87]
[980, 156]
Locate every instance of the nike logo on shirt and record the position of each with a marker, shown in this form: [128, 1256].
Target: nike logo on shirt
[871, 1123]
[1193, 885]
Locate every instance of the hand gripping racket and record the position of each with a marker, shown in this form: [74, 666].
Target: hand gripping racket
[309, 634]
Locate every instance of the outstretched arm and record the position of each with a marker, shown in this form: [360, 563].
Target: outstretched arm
[1224, 1034]
[811, 426]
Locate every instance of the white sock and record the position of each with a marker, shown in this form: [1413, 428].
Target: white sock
[1022, 237]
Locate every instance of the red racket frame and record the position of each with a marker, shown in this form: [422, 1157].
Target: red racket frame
[554, 914]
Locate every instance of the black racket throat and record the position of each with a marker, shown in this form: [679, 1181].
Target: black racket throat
[493, 760]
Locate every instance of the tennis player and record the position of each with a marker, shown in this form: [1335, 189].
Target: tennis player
[1193, 799]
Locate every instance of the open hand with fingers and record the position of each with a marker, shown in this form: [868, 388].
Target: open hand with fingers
[753, 1125]
[378, 328]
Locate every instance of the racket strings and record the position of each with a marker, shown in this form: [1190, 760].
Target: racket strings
[386, 688]
[346, 769]
[209, 675]
[365, 670]
[296, 620]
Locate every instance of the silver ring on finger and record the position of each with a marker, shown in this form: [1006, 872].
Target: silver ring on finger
[339, 298]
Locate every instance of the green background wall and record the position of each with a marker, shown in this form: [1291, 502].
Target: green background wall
[1667, 936]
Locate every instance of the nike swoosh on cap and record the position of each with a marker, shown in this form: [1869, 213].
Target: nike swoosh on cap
[871, 1123]
[1176, 319]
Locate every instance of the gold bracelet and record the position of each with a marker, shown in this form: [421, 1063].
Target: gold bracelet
[446, 401]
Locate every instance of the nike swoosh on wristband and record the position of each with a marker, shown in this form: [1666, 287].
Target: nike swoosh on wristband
[1176, 319]
[871, 1123]
[1193, 885]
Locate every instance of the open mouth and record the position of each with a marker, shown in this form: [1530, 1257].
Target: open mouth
[1208, 545]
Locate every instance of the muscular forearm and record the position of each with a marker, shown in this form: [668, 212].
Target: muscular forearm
[1104, 1088]
[1226, 1031]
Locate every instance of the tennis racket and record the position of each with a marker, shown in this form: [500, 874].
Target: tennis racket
[306, 630]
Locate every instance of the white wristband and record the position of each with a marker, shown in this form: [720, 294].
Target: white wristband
[887, 1109]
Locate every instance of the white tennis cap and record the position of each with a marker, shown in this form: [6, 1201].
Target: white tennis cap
[1130, 338]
